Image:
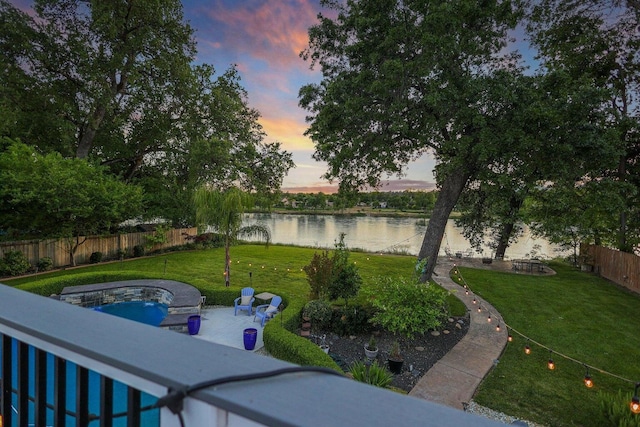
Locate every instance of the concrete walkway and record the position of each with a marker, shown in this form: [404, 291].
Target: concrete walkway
[453, 380]
[219, 325]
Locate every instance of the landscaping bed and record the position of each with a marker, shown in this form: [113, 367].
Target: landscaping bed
[420, 353]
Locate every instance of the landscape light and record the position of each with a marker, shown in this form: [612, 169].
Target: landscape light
[550, 363]
[635, 402]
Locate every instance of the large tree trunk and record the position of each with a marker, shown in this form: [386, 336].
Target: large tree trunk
[515, 204]
[450, 191]
[89, 132]
[503, 240]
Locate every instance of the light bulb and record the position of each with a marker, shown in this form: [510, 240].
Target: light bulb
[474, 301]
[588, 381]
[479, 309]
[551, 365]
[510, 338]
[527, 349]
[489, 318]
[498, 328]
[635, 405]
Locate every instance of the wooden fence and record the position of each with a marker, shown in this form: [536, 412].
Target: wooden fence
[619, 267]
[57, 249]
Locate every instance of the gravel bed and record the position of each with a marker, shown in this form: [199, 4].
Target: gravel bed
[474, 408]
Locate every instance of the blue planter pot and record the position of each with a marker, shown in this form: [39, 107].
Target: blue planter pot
[193, 324]
[250, 336]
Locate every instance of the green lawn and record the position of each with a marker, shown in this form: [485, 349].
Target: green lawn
[275, 269]
[573, 313]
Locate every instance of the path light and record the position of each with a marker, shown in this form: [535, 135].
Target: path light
[635, 402]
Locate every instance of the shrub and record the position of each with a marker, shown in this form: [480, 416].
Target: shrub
[138, 251]
[95, 257]
[408, 307]
[614, 409]
[14, 263]
[345, 278]
[209, 240]
[45, 264]
[319, 313]
[373, 374]
[351, 320]
[121, 254]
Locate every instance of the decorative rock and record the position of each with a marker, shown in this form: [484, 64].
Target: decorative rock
[352, 337]
[435, 333]
[446, 332]
[451, 320]
[458, 326]
[419, 349]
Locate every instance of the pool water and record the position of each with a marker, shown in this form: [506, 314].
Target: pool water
[150, 313]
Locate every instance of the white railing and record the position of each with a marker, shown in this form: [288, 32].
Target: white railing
[239, 388]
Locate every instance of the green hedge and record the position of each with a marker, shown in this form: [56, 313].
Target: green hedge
[282, 343]
[55, 285]
[279, 335]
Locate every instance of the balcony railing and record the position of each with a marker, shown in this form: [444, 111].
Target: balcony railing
[68, 366]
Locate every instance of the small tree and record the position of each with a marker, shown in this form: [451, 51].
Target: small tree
[223, 210]
[319, 275]
[345, 278]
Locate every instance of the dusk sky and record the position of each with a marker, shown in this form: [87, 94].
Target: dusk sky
[264, 39]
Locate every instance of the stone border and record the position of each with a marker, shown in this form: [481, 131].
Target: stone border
[182, 300]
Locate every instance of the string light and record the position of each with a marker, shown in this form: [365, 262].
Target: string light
[634, 405]
[550, 364]
[588, 382]
[489, 319]
[498, 327]
[479, 308]
[635, 401]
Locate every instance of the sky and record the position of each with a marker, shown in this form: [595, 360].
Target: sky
[264, 40]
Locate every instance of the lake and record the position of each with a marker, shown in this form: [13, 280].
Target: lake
[382, 234]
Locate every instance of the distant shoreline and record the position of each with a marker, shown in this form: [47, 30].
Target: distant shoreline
[354, 212]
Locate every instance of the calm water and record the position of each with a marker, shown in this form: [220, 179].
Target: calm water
[148, 312]
[381, 234]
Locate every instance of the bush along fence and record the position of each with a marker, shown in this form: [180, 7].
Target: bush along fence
[50, 253]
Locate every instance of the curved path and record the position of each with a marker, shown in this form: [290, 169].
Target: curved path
[453, 380]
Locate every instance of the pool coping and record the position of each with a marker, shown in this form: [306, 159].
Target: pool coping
[182, 300]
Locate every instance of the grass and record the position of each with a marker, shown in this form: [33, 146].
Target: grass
[573, 313]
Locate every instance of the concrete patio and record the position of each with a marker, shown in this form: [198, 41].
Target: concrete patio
[219, 325]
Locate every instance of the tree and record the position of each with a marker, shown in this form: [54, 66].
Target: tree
[223, 210]
[598, 40]
[559, 136]
[52, 197]
[114, 82]
[401, 78]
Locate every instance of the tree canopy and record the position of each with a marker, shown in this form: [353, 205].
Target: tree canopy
[115, 82]
[49, 196]
[402, 78]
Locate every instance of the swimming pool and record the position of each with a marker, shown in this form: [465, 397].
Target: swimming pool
[148, 312]
[151, 313]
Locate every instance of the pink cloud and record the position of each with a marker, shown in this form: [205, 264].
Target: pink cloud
[274, 31]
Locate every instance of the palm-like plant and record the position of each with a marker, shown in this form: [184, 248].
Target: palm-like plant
[223, 210]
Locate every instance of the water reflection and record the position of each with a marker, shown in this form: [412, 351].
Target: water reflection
[382, 234]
